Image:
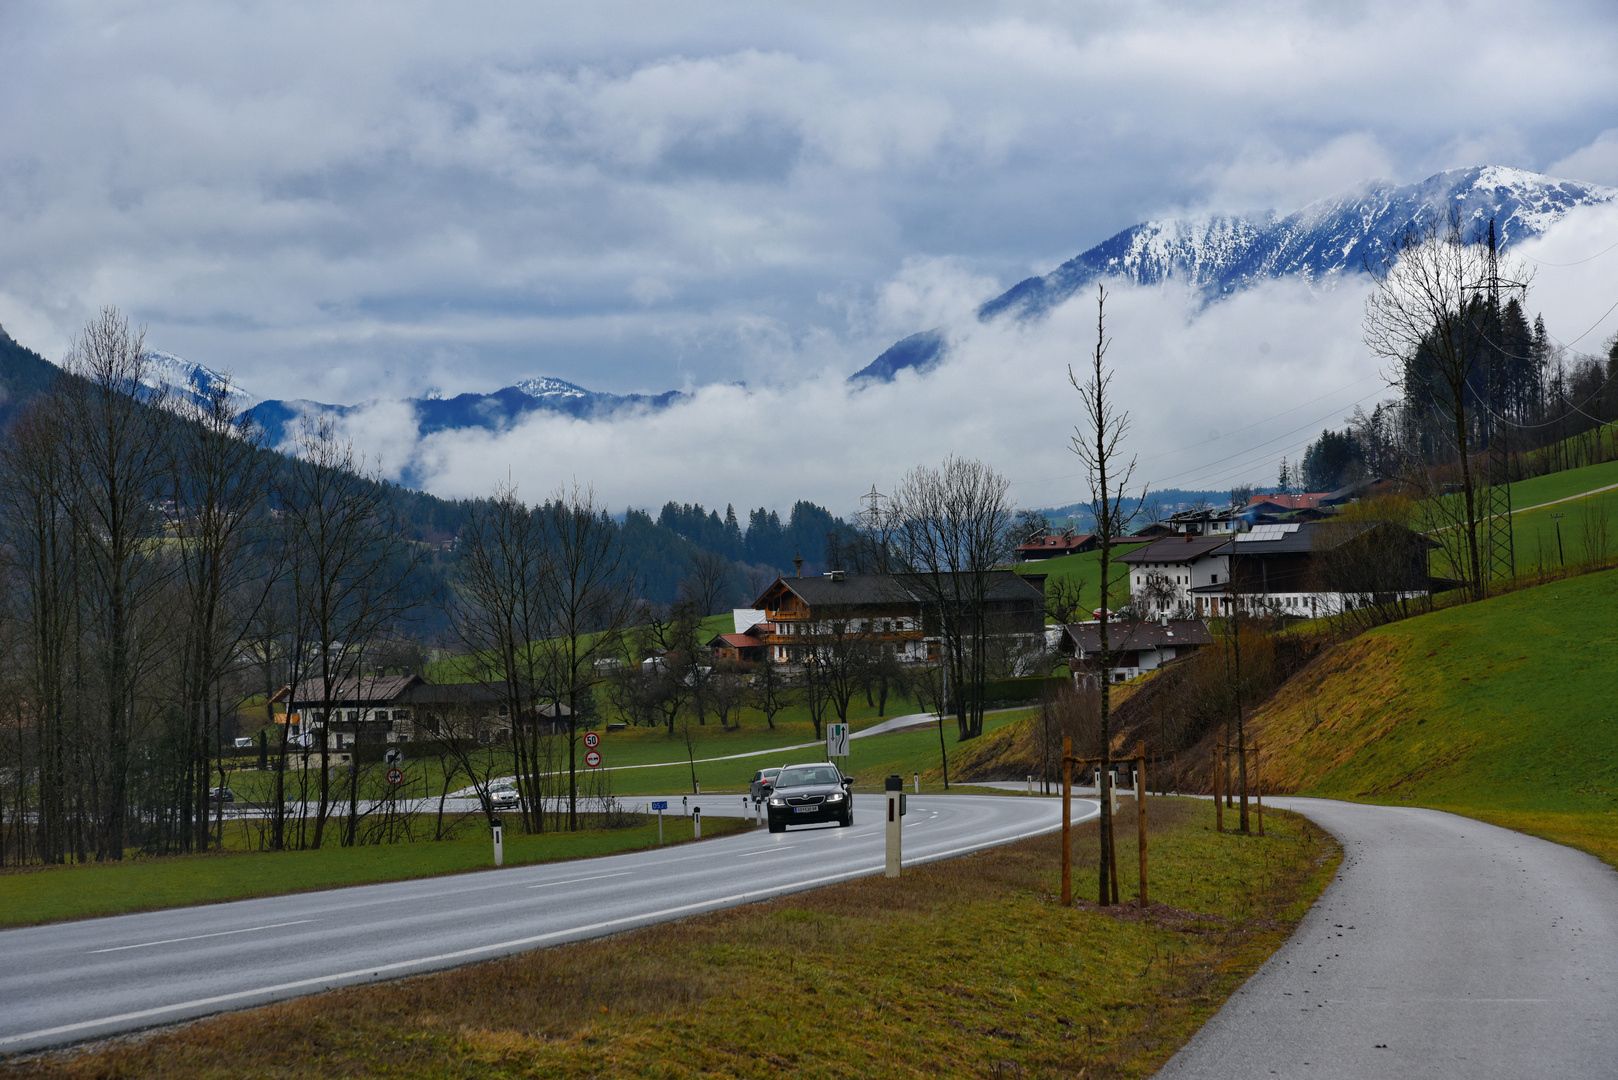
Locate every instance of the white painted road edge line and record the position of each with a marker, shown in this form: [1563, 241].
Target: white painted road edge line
[199, 937]
[516, 943]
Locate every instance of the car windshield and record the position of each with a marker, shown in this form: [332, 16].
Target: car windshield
[824, 774]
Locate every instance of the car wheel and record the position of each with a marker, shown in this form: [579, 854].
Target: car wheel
[777, 826]
[848, 819]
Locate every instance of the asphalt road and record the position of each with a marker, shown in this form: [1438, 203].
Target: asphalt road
[1444, 948]
[75, 981]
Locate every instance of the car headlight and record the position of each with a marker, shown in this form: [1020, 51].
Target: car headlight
[778, 802]
[836, 796]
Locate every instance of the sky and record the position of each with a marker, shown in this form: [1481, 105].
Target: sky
[355, 201]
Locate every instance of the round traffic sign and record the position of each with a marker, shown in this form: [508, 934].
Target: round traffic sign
[592, 758]
[395, 776]
[592, 740]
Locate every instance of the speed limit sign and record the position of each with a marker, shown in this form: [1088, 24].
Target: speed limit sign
[592, 740]
[395, 776]
[592, 758]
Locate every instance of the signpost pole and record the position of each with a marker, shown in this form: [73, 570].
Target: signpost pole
[1219, 805]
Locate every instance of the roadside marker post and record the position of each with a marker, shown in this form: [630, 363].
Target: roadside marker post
[1140, 810]
[895, 790]
[497, 829]
[660, 806]
[696, 823]
[918, 783]
[685, 806]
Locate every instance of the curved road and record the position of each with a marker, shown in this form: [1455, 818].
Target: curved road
[1443, 948]
[74, 981]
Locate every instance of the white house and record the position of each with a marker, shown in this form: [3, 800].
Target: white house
[1163, 574]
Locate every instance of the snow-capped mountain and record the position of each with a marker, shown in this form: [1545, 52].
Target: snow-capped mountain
[491, 412]
[1320, 243]
[192, 382]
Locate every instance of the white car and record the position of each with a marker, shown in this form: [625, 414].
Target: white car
[504, 795]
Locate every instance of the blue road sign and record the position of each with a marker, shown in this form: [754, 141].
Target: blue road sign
[660, 806]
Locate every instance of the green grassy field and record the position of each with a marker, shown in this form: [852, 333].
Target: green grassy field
[968, 967]
[52, 894]
[1086, 570]
[1503, 710]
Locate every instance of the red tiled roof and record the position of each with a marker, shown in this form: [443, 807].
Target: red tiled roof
[1055, 543]
[1291, 502]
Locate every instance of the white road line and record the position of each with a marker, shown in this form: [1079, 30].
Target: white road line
[199, 937]
[766, 851]
[337, 979]
[575, 881]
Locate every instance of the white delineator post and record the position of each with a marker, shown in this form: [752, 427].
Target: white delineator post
[499, 845]
[895, 792]
[696, 822]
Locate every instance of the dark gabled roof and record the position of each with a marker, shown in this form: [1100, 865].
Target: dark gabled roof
[854, 590]
[1176, 549]
[734, 641]
[1055, 543]
[352, 692]
[1299, 537]
[1130, 637]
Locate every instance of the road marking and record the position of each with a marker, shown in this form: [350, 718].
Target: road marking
[575, 881]
[199, 937]
[766, 851]
[443, 959]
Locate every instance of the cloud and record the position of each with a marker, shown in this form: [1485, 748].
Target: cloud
[1597, 162]
[342, 200]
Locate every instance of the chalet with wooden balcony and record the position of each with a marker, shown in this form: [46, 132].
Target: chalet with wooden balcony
[891, 611]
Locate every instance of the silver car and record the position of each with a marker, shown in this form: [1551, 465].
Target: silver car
[763, 783]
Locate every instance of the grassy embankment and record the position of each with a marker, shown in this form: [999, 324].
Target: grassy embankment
[55, 893]
[1085, 570]
[963, 968]
[1502, 710]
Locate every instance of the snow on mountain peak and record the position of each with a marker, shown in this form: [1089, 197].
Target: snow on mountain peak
[544, 386]
[194, 381]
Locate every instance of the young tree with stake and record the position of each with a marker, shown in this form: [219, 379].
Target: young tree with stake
[1098, 442]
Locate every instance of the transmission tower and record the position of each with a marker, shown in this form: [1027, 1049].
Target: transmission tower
[1497, 550]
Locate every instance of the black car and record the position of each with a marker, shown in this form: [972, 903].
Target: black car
[804, 794]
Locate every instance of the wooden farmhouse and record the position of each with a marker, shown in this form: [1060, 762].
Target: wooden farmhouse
[892, 610]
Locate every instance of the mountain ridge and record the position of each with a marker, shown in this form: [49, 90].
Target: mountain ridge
[1221, 254]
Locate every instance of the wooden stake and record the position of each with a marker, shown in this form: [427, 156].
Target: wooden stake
[1112, 852]
[1258, 788]
[1140, 807]
[1067, 821]
[1219, 802]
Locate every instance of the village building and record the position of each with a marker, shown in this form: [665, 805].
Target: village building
[1315, 569]
[1163, 573]
[891, 610]
[1134, 647]
[1048, 545]
[404, 708]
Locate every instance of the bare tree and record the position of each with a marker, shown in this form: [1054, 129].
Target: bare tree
[947, 534]
[1429, 314]
[350, 572]
[115, 453]
[590, 601]
[501, 591]
[707, 585]
[772, 690]
[1098, 442]
[218, 476]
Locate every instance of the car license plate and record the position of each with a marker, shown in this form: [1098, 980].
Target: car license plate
[805, 809]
